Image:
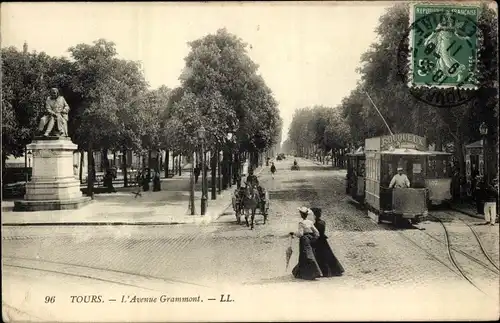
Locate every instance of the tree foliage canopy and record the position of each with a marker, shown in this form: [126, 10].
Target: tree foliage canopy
[111, 107]
[221, 90]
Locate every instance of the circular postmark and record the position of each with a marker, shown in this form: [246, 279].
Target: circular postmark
[438, 55]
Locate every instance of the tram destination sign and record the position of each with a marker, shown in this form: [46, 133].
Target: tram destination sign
[403, 140]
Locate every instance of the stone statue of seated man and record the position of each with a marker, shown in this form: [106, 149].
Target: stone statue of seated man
[56, 114]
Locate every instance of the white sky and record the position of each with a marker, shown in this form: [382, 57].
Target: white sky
[307, 52]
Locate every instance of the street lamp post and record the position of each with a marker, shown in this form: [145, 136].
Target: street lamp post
[213, 166]
[230, 165]
[234, 159]
[201, 135]
[483, 130]
[191, 191]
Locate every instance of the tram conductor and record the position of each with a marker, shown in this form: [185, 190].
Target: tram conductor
[400, 180]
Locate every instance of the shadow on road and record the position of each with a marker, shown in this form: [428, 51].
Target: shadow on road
[276, 280]
[304, 193]
[314, 168]
[296, 181]
[405, 225]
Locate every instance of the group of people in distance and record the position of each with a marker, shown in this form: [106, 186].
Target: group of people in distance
[316, 258]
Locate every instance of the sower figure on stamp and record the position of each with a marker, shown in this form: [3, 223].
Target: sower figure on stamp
[56, 114]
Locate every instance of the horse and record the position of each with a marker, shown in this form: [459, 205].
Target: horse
[264, 201]
[250, 202]
[237, 201]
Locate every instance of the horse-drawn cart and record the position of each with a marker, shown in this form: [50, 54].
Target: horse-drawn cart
[246, 200]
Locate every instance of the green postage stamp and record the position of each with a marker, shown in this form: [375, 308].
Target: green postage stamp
[443, 46]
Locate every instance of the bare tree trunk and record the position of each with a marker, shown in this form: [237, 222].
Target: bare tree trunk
[124, 167]
[167, 162]
[219, 171]
[191, 189]
[149, 164]
[213, 184]
[180, 164]
[160, 160]
[90, 171]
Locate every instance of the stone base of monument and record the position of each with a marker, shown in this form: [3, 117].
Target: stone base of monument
[53, 185]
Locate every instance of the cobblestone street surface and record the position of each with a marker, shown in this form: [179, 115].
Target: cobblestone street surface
[390, 274]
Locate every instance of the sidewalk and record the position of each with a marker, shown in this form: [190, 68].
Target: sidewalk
[169, 206]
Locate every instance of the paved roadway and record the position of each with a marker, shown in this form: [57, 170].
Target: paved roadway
[390, 274]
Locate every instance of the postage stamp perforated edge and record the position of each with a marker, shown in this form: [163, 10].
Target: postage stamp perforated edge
[410, 63]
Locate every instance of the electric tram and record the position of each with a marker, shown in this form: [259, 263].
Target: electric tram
[355, 180]
[429, 174]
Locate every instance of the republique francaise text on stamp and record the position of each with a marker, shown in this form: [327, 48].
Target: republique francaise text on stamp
[444, 46]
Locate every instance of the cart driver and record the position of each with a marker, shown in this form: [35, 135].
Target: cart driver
[400, 180]
[252, 179]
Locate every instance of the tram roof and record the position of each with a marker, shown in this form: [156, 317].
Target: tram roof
[409, 151]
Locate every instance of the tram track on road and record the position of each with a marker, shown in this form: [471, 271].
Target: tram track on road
[472, 258]
[456, 267]
[91, 272]
[453, 259]
[477, 238]
[486, 254]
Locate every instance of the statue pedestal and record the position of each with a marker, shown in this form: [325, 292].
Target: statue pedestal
[53, 185]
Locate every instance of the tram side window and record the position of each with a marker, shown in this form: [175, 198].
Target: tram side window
[431, 168]
[418, 173]
[444, 169]
[439, 167]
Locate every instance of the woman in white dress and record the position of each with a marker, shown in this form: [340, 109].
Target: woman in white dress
[308, 267]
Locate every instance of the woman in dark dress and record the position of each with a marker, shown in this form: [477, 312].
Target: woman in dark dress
[328, 263]
[308, 267]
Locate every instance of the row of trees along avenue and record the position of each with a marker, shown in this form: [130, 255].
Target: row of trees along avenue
[113, 109]
[355, 119]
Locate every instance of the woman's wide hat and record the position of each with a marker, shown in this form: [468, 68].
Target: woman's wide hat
[304, 210]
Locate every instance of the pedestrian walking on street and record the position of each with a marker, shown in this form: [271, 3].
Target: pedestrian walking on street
[252, 180]
[156, 181]
[308, 267]
[490, 204]
[197, 171]
[273, 169]
[145, 180]
[328, 263]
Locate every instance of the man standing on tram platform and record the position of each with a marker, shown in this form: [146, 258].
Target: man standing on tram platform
[400, 180]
